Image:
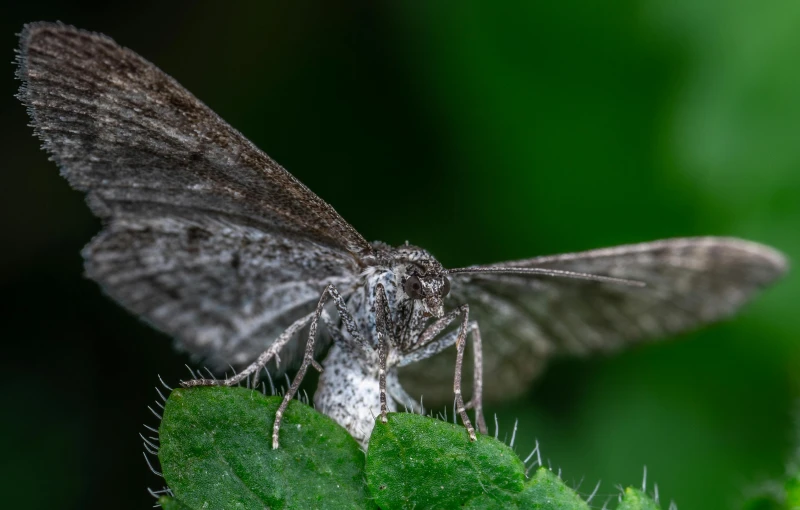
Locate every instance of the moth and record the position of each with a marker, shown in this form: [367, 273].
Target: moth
[212, 242]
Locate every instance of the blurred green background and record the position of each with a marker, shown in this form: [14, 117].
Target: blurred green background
[483, 134]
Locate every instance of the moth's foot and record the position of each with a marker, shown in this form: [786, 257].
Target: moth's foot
[462, 411]
[276, 426]
[481, 422]
[206, 382]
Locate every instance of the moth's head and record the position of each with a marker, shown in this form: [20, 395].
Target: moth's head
[422, 279]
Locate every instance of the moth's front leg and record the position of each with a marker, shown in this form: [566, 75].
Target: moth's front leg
[384, 327]
[461, 340]
[477, 377]
[427, 345]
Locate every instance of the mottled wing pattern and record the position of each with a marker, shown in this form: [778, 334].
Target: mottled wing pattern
[526, 319]
[205, 235]
[223, 290]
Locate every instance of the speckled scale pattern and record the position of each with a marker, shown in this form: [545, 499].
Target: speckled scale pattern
[348, 390]
[223, 290]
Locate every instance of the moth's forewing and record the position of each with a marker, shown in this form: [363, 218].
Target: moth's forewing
[205, 236]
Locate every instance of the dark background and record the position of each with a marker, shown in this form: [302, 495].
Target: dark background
[483, 135]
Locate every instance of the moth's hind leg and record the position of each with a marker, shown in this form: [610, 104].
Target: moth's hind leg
[255, 368]
[308, 358]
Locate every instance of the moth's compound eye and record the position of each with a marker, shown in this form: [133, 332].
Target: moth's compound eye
[413, 287]
[446, 287]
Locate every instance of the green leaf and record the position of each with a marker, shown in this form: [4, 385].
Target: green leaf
[634, 499]
[216, 453]
[547, 491]
[419, 462]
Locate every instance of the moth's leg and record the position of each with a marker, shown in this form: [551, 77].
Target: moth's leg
[461, 340]
[308, 358]
[442, 343]
[432, 348]
[425, 347]
[336, 333]
[434, 329]
[384, 326]
[258, 364]
[355, 341]
[397, 392]
[477, 378]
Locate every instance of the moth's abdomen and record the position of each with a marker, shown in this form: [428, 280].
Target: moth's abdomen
[348, 391]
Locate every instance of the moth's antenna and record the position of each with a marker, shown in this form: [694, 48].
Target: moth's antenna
[540, 271]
